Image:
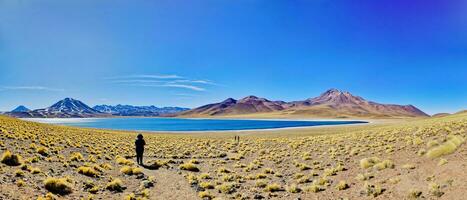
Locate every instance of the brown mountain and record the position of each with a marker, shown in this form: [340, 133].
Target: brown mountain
[333, 103]
[440, 115]
[247, 105]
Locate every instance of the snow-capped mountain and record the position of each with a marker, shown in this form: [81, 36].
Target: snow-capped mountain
[72, 108]
[129, 110]
[67, 107]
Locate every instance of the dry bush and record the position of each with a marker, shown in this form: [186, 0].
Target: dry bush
[371, 190]
[226, 188]
[189, 167]
[414, 193]
[313, 188]
[293, 189]
[448, 147]
[342, 185]
[115, 185]
[11, 159]
[58, 185]
[206, 185]
[369, 162]
[88, 171]
[205, 195]
[274, 187]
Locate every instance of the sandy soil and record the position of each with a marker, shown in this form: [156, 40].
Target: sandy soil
[294, 160]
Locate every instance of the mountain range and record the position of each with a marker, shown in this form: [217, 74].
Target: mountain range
[72, 108]
[66, 108]
[332, 103]
[129, 110]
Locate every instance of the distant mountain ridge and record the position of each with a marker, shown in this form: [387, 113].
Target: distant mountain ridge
[332, 103]
[129, 110]
[66, 108]
[72, 108]
[21, 108]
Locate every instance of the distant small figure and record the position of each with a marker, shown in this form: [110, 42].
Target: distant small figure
[237, 139]
[139, 144]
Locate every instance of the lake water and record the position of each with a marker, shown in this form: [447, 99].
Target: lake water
[176, 124]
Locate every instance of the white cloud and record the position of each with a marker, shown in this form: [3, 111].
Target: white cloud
[31, 88]
[171, 81]
[205, 82]
[191, 87]
[158, 76]
[138, 81]
[147, 76]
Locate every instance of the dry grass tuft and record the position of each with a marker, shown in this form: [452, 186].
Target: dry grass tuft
[206, 185]
[294, 189]
[20, 183]
[130, 196]
[371, 190]
[369, 162]
[274, 187]
[115, 185]
[261, 183]
[11, 159]
[226, 188]
[435, 190]
[442, 161]
[342, 185]
[205, 195]
[189, 167]
[408, 166]
[314, 188]
[127, 170]
[383, 165]
[122, 161]
[88, 171]
[448, 147]
[76, 156]
[42, 151]
[58, 186]
[414, 193]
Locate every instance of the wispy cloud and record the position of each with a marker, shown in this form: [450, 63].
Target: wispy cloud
[147, 76]
[137, 81]
[204, 82]
[170, 81]
[42, 88]
[189, 87]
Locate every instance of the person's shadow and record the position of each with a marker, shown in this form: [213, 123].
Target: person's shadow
[153, 166]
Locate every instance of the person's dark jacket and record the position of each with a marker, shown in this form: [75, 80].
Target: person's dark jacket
[140, 145]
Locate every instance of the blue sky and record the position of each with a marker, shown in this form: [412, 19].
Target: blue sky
[189, 53]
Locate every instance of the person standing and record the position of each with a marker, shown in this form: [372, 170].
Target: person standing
[139, 144]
